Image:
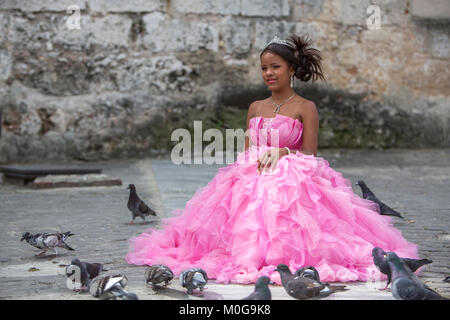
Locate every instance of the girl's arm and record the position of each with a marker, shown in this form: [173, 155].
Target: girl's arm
[310, 118]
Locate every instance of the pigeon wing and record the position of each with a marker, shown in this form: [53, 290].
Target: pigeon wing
[188, 278]
[407, 289]
[388, 210]
[143, 208]
[112, 281]
[93, 269]
[157, 274]
[38, 241]
[314, 287]
[51, 240]
[297, 289]
[415, 264]
[431, 294]
[304, 288]
[149, 274]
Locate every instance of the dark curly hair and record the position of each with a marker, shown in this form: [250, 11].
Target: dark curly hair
[306, 61]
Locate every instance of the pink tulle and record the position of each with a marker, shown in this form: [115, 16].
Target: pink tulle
[243, 224]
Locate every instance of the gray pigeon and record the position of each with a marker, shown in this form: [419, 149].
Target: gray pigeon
[405, 284]
[137, 207]
[304, 288]
[94, 269]
[88, 271]
[446, 279]
[383, 209]
[45, 241]
[111, 286]
[158, 273]
[262, 291]
[308, 272]
[379, 259]
[193, 278]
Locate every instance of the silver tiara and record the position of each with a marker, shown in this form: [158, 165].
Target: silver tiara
[283, 42]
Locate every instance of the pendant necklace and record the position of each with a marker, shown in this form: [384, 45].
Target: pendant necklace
[278, 106]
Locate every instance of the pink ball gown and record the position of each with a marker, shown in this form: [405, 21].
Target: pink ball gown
[243, 224]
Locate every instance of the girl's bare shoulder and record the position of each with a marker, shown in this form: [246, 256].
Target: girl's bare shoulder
[305, 108]
[255, 106]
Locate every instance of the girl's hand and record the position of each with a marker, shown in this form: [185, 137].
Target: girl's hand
[269, 159]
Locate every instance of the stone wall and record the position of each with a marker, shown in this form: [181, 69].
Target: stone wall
[137, 69]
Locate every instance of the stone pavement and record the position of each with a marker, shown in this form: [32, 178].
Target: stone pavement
[416, 182]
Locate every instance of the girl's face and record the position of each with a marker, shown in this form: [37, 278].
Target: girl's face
[275, 71]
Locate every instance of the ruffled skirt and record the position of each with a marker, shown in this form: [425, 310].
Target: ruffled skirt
[242, 225]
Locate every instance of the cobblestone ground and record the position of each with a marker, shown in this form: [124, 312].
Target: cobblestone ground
[414, 182]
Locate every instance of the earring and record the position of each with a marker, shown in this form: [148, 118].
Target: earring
[292, 81]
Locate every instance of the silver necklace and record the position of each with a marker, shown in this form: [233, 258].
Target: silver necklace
[278, 106]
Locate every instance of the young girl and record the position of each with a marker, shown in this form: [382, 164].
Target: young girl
[278, 203]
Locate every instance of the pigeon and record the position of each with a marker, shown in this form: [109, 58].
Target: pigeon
[137, 207]
[446, 279]
[383, 209]
[405, 284]
[304, 288]
[94, 269]
[158, 273]
[193, 278]
[45, 241]
[111, 286]
[88, 271]
[379, 259]
[262, 291]
[308, 272]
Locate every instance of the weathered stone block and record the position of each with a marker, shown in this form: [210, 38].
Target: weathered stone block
[41, 5]
[5, 64]
[3, 27]
[307, 8]
[111, 30]
[178, 35]
[236, 35]
[156, 74]
[22, 31]
[440, 46]
[265, 8]
[75, 38]
[225, 7]
[427, 76]
[430, 10]
[126, 6]
[317, 31]
[351, 11]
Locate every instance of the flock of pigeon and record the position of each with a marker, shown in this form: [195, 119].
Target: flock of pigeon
[303, 284]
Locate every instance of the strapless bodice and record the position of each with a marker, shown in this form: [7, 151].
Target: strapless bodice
[279, 131]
